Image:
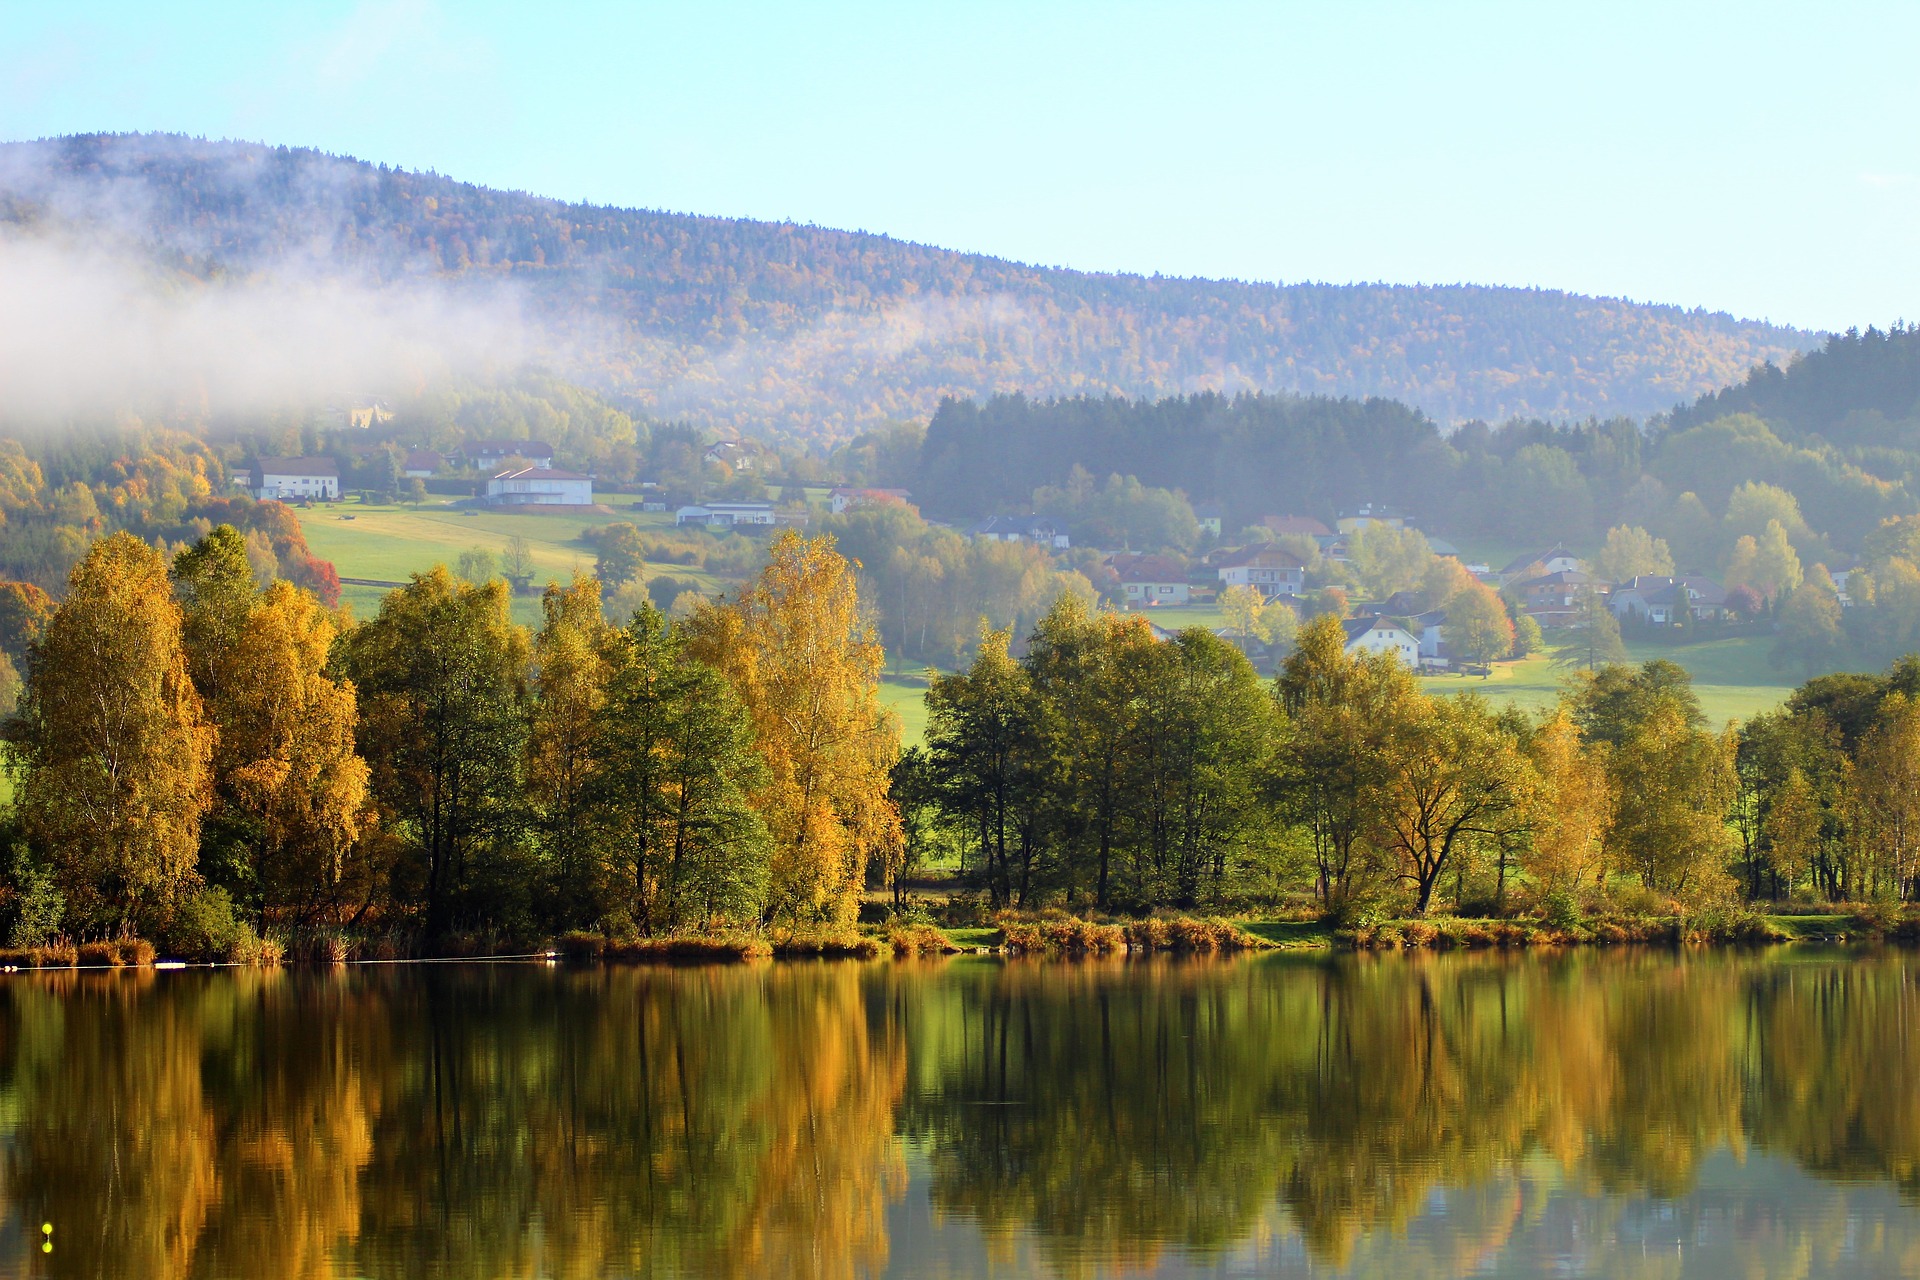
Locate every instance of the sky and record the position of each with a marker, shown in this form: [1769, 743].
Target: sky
[1753, 158]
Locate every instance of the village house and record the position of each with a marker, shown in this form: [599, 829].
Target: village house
[290, 479]
[1304, 525]
[1558, 560]
[1554, 594]
[843, 499]
[1369, 514]
[421, 464]
[1151, 580]
[736, 455]
[491, 455]
[726, 513]
[1664, 601]
[1378, 635]
[1269, 571]
[1209, 519]
[1043, 530]
[539, 487]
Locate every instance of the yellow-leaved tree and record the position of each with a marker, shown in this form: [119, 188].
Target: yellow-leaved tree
[806, 663]
[288, 731]
[112, 747]
[570, 674]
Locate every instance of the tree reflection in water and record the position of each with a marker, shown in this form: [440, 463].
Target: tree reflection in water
[1393, 1115]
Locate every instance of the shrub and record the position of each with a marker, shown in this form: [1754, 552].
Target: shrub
[918, 940]
[203, 928]
[825, 944]
[99, 955]
[135, 951]
[1560, 910]
[40, 905]
[1420, 933]
[690, 948]
[583, 946]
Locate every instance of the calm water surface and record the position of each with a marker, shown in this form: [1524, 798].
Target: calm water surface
[1629, 1115]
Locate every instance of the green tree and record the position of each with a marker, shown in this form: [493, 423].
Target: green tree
[620, 556]
[1527, 639]
[1345, 710]
[674, 786]
[1593, 640]
[570, 675]
[1387, 560]
[1810, 634]
[441, 673]
[478, 566]
[989, 767]
[111, 746]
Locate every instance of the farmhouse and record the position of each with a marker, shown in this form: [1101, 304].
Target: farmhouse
[1270, 572]
[490, 455]
[1151, 580]
[1378, 635]
[421, 464]
[1037, 529]
[540, 487]
[842, 499]
[726, 513]
[1558, 560]
[290, 479]
[1662, 601]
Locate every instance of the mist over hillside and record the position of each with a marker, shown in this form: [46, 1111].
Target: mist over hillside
[228, 272]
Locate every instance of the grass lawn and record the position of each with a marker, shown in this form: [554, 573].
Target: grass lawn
[1732, 677]
[908, 699]
[389, 542]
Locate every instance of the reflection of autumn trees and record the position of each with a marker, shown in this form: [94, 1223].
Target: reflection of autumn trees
[1120, 1108]
[499, 1120]
[456, 1121]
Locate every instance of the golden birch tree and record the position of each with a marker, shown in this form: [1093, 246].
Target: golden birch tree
[112, 748]
[806, 662]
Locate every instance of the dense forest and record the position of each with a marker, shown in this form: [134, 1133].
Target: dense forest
[784, 329]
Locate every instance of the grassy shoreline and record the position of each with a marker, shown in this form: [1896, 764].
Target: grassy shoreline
[1072, 937]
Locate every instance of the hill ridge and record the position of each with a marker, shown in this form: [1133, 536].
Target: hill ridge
[783, 327]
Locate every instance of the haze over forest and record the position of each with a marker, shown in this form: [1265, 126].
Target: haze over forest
[172, 273]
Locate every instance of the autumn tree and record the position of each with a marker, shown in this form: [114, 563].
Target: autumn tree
[1631, 551]
[805, 661]
[111, 746]
[1477, 626]
[1884, 799]
[1572, 802]
[292, 781]
[441, 674]
[24, 612]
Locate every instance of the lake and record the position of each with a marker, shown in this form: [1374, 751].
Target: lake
[1638, 1113]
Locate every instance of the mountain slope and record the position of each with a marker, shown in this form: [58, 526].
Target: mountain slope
[785, 328]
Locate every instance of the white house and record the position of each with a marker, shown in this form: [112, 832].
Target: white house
[1377, 635]
[290, 479]
[1039, 529]
[1151, 580]
[1271, 573]
[540, 487]
[841, 499]
[726, 513]
[487, 455]
[1558, 560]
[1369, 514]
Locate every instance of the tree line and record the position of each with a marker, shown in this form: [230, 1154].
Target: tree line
[195, 754]
[1105, 770]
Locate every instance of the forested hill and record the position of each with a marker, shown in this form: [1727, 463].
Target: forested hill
[1860, 391]
[785, 328]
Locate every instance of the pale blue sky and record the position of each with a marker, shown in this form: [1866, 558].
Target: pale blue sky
[1761, 159]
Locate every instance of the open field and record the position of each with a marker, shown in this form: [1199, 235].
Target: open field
[390, 542]
[908, 700]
